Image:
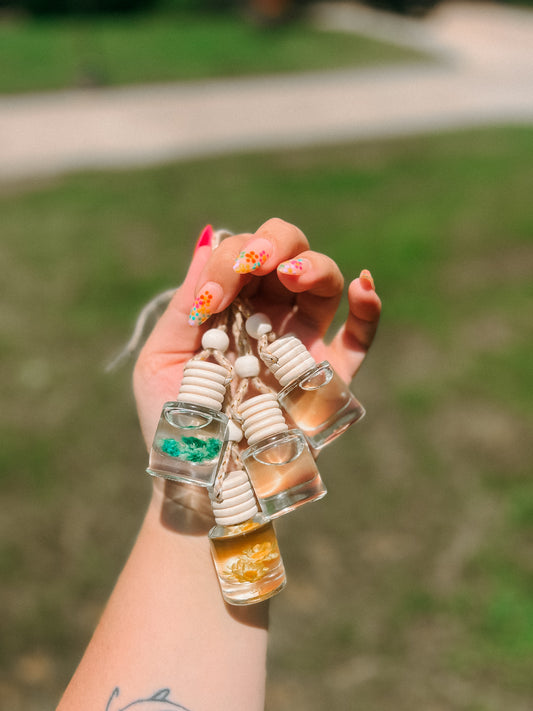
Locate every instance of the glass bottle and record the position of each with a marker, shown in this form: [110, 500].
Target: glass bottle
[244, 546]
[279, 462]
[317, 400]
[192, 433]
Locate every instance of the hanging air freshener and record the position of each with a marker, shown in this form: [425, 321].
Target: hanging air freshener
[192, 435]
[279, 462]
[317, 400]
[244, 546]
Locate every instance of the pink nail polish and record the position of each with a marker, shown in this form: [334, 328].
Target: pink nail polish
[205, 237]
[366, 280]
[293, 266]
[253, 257]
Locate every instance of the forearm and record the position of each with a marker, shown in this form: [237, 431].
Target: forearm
[166, 626]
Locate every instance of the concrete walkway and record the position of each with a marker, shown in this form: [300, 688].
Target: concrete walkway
[483, 74]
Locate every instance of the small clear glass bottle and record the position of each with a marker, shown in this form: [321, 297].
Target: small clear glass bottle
[192, 433]
[244, 546]
[317, 400]
[279, 462]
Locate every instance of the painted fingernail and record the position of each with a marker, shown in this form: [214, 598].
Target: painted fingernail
[204, 240]
[366, 280]
[202, 308]
[253, 257]
[294, 266]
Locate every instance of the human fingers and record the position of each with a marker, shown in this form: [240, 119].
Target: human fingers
[275, 241]
[236, 259]
[350, 345]
[217, 284]
[317, 282]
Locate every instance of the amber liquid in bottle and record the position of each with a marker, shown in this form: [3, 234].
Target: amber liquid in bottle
[247, 561]
[283, 473]
[321, 404]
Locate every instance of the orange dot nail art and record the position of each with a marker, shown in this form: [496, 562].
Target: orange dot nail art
[292, 266]
[201, 308]
[249, 261]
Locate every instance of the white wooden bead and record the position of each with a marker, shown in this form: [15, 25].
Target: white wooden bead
[216, 338]
[247, 366]
[234, 432]
[258, 325]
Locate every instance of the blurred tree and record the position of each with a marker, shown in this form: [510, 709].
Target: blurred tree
[44, 8]
[267, 13]
[405, 7]
[263, 13]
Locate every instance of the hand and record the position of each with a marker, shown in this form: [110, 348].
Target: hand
[276, 271]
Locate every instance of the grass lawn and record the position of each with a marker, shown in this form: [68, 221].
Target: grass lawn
[60, 54]
[410, 584]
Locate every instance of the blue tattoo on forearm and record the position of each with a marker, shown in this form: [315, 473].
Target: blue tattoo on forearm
[157, 702]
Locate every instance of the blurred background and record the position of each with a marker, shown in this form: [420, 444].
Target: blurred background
[398, 136]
